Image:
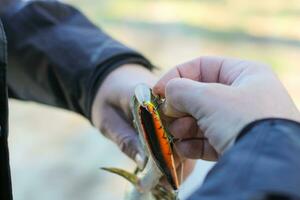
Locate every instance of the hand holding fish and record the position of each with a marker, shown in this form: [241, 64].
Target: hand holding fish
[113, 115]
[111, 112]
[216, 97]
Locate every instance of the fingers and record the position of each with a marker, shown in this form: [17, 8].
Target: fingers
[183, 168]
[117, 129]
[190, 70]
[192, 143]
[197, 149]
[184, 128]
[184, 96]
[204, 69]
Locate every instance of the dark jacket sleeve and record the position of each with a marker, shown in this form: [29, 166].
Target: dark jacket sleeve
[5, 181]
[57, 56]
[263, 164]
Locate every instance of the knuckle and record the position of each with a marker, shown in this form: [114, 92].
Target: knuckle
[258, 66]
[205, 90]
[157, 89]
[173, 86]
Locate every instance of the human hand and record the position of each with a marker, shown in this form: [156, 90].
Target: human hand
[111, 108]
[111, 113]
[222, 95]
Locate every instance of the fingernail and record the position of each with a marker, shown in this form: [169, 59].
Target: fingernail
[140, 161]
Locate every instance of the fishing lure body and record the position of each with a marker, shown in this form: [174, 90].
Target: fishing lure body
[154, 135]
[157, 146]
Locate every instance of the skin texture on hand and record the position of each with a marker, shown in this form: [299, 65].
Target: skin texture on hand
[216, 97]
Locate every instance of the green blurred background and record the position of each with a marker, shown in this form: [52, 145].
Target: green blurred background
[55, 154]
[169, 31]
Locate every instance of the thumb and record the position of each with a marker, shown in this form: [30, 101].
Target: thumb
[185, 97]
[202, 101]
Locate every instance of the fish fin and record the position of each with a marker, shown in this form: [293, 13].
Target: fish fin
[131, 177]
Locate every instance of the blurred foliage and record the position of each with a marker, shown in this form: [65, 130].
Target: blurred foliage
[265, 30]
[268, 22]
[258, 18]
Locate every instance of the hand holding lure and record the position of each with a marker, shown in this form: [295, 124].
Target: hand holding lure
[157, 144]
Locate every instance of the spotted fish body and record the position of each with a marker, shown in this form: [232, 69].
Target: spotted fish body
[157, 146]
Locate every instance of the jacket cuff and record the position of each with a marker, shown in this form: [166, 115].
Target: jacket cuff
[270, 122]
[106, 68]
[263, 161]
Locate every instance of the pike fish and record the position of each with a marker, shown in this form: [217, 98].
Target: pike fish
[157, 146]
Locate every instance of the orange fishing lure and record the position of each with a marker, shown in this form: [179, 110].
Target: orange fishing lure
[156, 137]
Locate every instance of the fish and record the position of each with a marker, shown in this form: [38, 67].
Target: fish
[158, 148]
